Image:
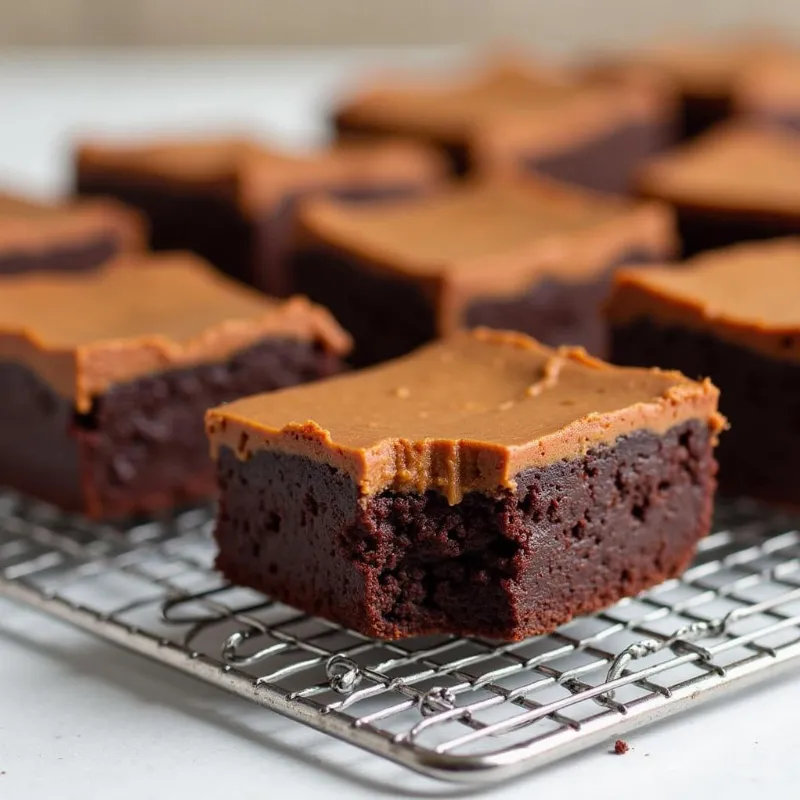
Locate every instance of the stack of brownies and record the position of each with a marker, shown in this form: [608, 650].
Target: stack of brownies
[446, 275]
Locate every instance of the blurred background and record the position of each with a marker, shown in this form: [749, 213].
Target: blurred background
[558, 26]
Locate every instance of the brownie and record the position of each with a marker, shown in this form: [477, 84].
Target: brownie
[64, 236]
[502, 252]
[485, 485]
[732, 315]
[738, 182]
[704, 73]
[232, 200]
[770, 92]
[106, 376]
[519, 117]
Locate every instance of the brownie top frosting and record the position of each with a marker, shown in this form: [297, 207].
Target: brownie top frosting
[29, 225]
[464, 414]
[139, 315]
[491, 236]
[746, 294]
[259, 177]
[736, 167]
[509, 104]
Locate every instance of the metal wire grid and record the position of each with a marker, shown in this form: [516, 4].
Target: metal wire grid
[463, 709]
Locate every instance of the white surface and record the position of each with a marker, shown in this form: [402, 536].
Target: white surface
[80, 719]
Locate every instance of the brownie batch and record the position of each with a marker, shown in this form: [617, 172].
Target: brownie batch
[72, 235]
[468, 246]
[740, 181]
[232, 200]
[485, 485]
[520, 117]
[106, 377]
[513, 253]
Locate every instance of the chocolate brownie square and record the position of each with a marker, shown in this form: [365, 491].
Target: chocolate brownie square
[232, 200]
[37, 235]
[704, 73]
[519, 117]
[738, 182]
[732, 315]
[484, 485]
[506, 253]
[106, 376]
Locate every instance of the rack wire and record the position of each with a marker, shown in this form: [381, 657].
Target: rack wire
[461, 709]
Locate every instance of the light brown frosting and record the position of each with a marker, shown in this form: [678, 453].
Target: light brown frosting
[736, 167]
[489, 237]
[771, 87]
[463, 414]
[509, 107]
[746, 294]
[258, 177]
[83, 333]
[29, 225]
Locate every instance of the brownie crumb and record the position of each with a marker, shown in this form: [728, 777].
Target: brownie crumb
[621, 747]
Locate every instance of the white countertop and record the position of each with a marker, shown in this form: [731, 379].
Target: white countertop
[81, 719]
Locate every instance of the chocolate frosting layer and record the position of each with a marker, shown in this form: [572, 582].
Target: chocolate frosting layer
[464, 414]
[31, 226]
[746, 294]
[259, 177]
[511, 105]
[141, 315]
[736, 166]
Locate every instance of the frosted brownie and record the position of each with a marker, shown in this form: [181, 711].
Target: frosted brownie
[485, 485]
[737, 182]
[66, 236]
[232, 200]
[531, 255]
[733, 315]
[106, 376]
[704, 73]
[517, 116]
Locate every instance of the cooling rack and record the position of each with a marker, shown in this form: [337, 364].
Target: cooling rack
[462, 709]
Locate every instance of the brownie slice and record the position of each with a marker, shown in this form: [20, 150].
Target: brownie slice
[738, 182]
[485, 485]
[64, 236]
[704, 74]
[106, 376]
[520, 117]
[770, 92]
[732, 315]
[507, 253]
[232, 201]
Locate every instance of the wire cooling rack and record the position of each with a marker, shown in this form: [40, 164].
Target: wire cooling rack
[461, 709]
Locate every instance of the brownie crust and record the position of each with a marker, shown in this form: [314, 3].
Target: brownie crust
[141, 447]
[574, 537]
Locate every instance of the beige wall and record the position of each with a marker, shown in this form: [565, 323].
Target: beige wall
[552, 24]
